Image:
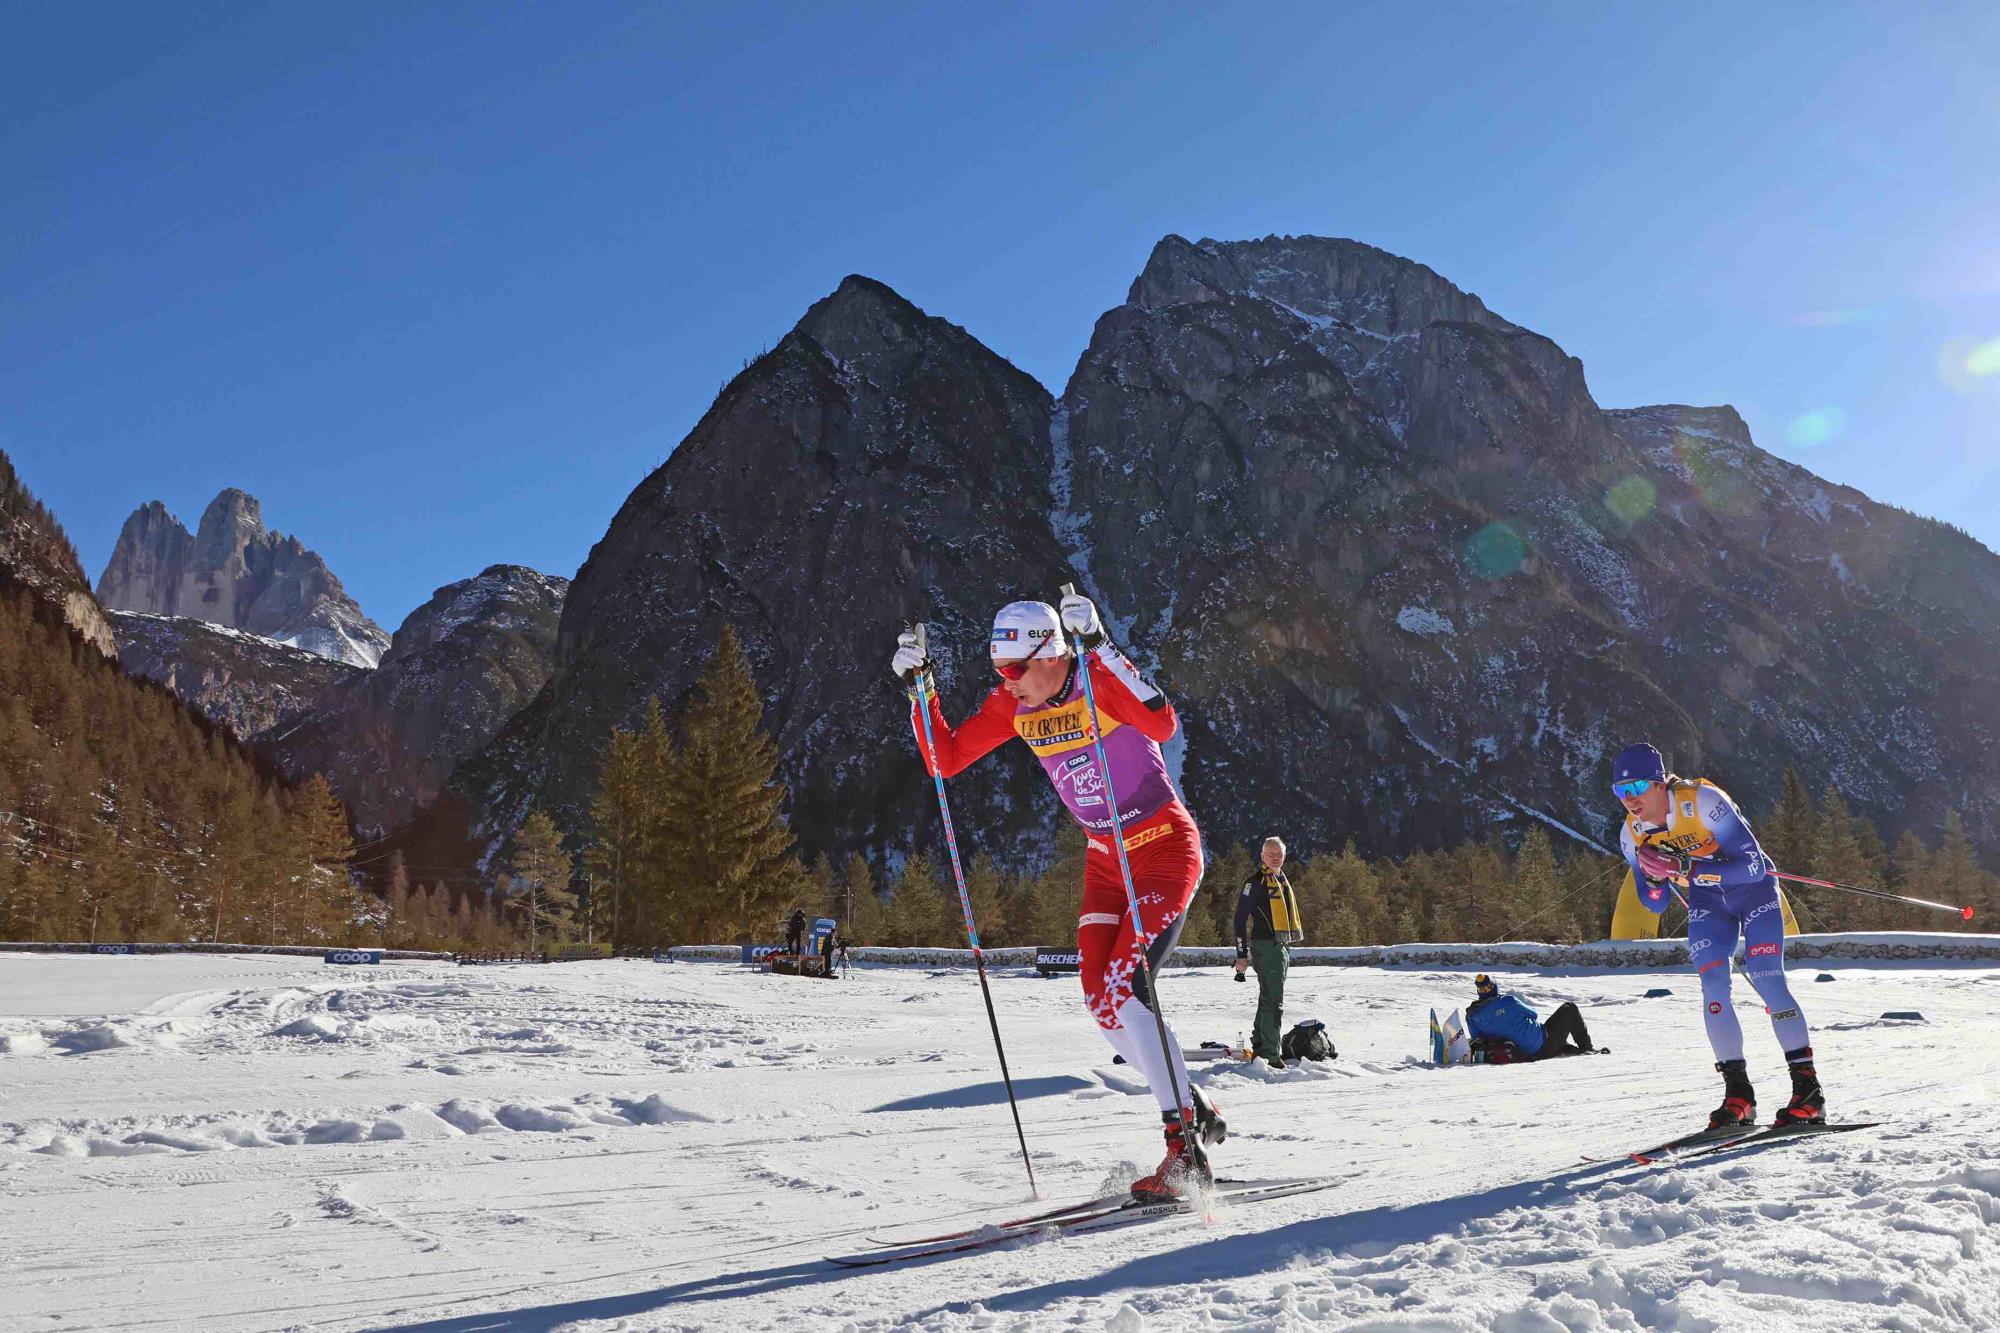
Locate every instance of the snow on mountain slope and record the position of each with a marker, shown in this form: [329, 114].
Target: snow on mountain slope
[229, 1143]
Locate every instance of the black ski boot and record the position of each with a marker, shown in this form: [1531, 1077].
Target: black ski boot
[1739, 1102]
[1209, 1126]
[1808, 1104]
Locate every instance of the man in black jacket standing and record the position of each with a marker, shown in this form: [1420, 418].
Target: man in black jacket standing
[1267, 922]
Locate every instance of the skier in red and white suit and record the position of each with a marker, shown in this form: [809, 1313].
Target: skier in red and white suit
[1040, 699]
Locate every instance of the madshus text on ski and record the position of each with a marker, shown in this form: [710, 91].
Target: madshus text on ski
[1095, 725]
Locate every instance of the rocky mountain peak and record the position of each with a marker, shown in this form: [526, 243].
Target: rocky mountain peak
[495, 599]
[232, 572]
[879, 465]
[860, 315]
[1322, 279]
[870, 331]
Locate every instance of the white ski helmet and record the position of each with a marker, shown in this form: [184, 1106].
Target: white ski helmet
[1023, 629]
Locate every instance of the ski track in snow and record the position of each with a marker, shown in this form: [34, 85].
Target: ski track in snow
[233, 1143]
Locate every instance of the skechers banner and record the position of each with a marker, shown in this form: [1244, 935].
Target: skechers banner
[1048, 962]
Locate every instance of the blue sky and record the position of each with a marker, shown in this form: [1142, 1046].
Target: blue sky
[440, 285]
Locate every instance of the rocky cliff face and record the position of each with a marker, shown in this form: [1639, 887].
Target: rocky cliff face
[459, 667]
[232, 572]
[1460, 583]
[877, 465]
[35, 551]
[1406, 579]
[246, 683]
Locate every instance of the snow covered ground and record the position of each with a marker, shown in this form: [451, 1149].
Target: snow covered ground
[231, 1143]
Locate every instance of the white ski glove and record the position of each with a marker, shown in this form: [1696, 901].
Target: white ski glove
[1079, 617]
[910, 659]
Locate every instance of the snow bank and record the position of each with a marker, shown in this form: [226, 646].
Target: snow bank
[217, 1133]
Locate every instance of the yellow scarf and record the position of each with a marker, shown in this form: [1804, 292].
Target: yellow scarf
[1286, 924]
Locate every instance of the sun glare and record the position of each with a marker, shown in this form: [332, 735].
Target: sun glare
[1822, 425]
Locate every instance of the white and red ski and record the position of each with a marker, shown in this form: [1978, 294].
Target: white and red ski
[1078, 1219]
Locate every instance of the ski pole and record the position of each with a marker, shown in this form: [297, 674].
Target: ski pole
[1144, 961]
[1965, 912]
[965, 905]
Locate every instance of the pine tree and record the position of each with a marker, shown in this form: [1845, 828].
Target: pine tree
[822, 894]
[321, 901]
[1537, 889]
[618, 822]
[922, 913]
[540, 871]
[1791, 830]
[1955, 873]
[396, 905]
[989, 905]
[1910, 874]
[860, 913]
[1835, 855]
[1212, 914]
[1050, 901]
[726, 820]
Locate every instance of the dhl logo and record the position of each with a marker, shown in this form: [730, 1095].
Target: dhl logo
[1137, 840]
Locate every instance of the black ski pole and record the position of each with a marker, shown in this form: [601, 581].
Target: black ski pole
[1144, 960]
[965, 904]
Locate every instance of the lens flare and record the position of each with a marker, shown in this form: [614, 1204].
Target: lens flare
[1630, 500]
[1495, 551]
[1820, 426]
[1983, 360]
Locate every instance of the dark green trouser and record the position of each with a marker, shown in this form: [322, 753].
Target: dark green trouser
[1270, 961]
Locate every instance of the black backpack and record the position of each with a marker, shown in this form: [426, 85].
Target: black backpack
[1308, 1041]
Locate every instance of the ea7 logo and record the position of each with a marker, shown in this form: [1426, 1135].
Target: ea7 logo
[1697, 913]
[1763, 950]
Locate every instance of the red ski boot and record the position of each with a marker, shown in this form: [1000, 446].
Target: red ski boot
[1184, 1166]
[1739, 1102]
[1808, 1104]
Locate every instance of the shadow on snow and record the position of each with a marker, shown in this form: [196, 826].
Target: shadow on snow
[990, 1094]
[1374, 1230]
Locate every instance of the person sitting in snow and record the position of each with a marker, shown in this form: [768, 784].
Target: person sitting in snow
[1508, 1030]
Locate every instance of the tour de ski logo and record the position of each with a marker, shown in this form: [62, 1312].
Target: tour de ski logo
[1080, 773]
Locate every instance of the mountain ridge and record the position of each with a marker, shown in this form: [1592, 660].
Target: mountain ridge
[1441, 556]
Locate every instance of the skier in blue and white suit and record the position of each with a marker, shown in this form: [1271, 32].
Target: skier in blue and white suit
[1686, 832]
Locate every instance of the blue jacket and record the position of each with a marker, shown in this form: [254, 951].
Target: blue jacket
[1507, 1019]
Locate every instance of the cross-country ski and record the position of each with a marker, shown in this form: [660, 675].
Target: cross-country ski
[1107, 1215]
